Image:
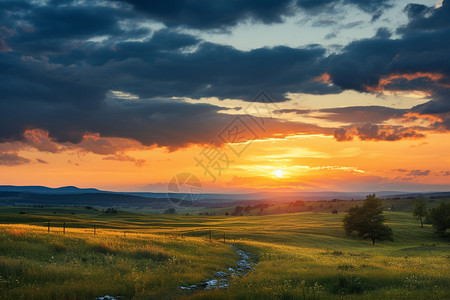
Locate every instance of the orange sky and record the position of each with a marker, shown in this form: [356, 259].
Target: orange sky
[289, 161]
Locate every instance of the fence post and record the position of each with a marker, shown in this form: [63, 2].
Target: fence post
[64, 228]
[48, 227]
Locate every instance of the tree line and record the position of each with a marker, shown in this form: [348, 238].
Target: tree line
[367, 221]
[438, 217]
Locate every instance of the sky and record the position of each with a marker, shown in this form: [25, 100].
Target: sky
[244, 96]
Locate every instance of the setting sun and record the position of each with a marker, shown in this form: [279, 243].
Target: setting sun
[278, 173]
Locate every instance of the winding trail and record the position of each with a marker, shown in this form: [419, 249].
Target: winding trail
[221, 279]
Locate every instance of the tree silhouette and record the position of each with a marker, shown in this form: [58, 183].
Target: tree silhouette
[367, 220]
[420, 210]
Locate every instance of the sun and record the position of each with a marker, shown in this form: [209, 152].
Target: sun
[278, 173]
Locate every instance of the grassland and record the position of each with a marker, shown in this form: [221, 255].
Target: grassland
[141, 256]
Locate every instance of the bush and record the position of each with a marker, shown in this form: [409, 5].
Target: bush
[345, 284]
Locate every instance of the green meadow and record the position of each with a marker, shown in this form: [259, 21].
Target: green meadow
[302, 255]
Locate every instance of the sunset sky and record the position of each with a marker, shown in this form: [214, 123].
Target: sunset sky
[246, 95]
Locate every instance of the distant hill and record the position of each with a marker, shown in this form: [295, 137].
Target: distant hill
[73, 196]
[80, 199]
[47, 190]
[417, 195]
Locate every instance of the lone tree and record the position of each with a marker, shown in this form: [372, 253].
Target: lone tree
[367, 221]
[420, 210]
[440, 217]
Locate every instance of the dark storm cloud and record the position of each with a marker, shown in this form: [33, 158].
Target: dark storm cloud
[363, 63]
[167, 123]
[206, 14]
[65, 91]
[418, 60]
[56, 72]
[54, 29]
[383, 33]
[220, 14]
[210, 71]
[422, 17]
[370, 6]
[154, 69]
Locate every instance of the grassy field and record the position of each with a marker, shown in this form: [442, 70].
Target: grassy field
[141, 256]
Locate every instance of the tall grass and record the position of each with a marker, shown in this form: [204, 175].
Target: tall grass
[300, 256]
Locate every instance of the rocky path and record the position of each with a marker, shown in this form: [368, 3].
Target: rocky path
[221, 279]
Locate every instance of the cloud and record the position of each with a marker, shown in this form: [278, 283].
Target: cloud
[105, 146]
[221, 14]
[417, 61]
[361, 114]
[411, 175]
[373, 132]
[371, 6]
[343, 135]
[383, 33]
[293, 110]
[350, 114]
[422, 17]
[40, 140]
[419, 173]
[65, 93]
[124, 157]
[41, 161]
[400, 170]
[386, 133]
[12, 159]
[54, 27]
[58, 73]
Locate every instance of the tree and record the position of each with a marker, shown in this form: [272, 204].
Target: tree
[170, 211]
[420, 210]
[367, 220]
[440, 217]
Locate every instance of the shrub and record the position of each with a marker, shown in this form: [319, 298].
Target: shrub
[348, 284]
